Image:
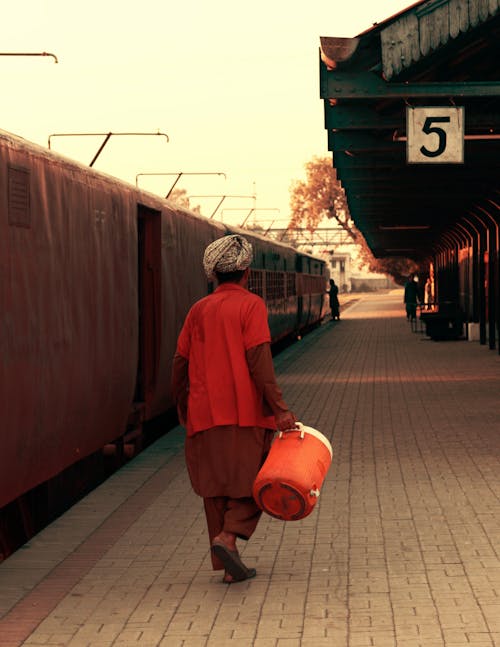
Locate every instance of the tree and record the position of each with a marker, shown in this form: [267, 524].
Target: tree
[258, 229]
[398, 267]
[319, 196]
[181, 198]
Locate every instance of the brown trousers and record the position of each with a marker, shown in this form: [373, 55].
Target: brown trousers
[239, 516]
[222, 463]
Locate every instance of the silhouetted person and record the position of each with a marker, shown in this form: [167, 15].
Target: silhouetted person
[411, 298]
[334, 300]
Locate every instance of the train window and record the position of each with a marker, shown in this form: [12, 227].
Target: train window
[19, 197]
[275, 285]
[310, 284]
[269, 286]
[256, 282]
[291, 289]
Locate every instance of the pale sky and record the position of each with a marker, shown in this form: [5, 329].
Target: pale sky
[234, 85]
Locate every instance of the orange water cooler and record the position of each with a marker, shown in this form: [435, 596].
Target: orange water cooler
[288, 484]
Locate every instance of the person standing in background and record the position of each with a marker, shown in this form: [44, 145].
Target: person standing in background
[334, 300]
[411, 298]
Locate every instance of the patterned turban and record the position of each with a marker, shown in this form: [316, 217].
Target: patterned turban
[227, 254]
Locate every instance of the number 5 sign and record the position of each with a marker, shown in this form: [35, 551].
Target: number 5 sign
[435, 135]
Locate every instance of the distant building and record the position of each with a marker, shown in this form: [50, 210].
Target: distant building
[350, 278]
[372, 283]
[340, 270]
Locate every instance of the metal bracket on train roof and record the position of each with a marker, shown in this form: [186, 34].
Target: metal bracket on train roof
[251, 211]
[222, 198]
[30, 54]
[179, 174]
[254, 210]
[107, 137]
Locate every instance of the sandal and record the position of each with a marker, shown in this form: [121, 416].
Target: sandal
[232, 563]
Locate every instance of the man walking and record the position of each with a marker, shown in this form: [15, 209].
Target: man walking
[411, 298]
[227, 397]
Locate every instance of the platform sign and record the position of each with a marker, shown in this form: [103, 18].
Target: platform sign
[435, 135]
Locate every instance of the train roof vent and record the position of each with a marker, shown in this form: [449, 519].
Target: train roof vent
[19, 197]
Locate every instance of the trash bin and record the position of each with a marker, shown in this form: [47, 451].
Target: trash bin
[445, 323]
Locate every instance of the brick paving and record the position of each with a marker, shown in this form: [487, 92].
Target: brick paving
[402, 549]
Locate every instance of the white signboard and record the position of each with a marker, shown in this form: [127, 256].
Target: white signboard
[435, 135]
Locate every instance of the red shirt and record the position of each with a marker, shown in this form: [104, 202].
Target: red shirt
[216, 333]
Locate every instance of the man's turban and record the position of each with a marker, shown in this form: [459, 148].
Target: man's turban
[227, 254]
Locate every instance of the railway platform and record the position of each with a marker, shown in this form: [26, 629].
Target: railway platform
[402, 549]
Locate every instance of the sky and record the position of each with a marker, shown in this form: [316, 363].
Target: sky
[235, 86]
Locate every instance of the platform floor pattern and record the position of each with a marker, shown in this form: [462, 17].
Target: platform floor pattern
[402, 549]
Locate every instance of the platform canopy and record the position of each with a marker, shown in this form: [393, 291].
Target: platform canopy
[412, 110]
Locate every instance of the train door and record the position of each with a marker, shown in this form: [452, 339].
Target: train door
[149, 300]
[299, 269]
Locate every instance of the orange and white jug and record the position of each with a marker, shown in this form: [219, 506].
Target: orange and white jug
[288, 484]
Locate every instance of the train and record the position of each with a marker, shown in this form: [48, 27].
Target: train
[97, 276]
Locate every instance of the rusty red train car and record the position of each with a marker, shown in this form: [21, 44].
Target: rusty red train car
[96, 278]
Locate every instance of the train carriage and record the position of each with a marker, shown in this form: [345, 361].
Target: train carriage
[96, 277]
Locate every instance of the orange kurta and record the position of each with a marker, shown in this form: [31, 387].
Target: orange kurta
[224, 349]
[217, 332]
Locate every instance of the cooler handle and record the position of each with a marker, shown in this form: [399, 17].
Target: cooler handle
[300, 426]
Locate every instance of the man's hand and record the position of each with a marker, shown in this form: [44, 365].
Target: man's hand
[285, 420]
